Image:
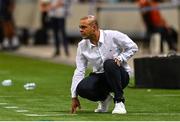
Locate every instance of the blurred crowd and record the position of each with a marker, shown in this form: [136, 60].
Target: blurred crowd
[50, 13]
[116, 1]
[155, 23]
[8, 39]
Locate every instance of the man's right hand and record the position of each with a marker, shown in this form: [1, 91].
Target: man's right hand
[118, 62]
[75, 104]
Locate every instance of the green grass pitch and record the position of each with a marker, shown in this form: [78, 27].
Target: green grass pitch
[51, 100]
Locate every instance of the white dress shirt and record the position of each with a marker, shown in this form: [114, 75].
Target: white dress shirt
[111, 45]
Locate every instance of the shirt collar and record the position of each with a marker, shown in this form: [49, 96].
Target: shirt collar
[101, 40]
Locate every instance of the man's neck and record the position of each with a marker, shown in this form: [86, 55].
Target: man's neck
[95, 39]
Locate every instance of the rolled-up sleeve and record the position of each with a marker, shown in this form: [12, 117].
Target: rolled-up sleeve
[81, 65]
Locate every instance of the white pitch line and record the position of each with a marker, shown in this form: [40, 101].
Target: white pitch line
[21, 111]
[167, 95]
[41, 115]
[157, 114]
[3, 103]
[10, 107]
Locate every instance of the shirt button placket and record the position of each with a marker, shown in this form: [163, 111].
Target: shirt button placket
[101, 53]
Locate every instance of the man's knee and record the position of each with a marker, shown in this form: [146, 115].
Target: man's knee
[90, 93]
[85, 91]
[81, 89]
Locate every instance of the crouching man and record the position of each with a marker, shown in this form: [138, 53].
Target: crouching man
[108, 52]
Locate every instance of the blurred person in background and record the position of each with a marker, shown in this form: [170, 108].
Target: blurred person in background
[44, 14]
[57, 12]
[1, 35]
[108, 52]
[155, 23]
[7, 24]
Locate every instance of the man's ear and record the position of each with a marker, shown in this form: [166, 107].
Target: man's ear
[94, 27]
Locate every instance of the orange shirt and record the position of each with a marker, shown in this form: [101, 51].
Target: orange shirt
[156, 17]
[154, 14]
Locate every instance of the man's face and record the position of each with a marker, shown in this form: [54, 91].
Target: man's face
[86, 29]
